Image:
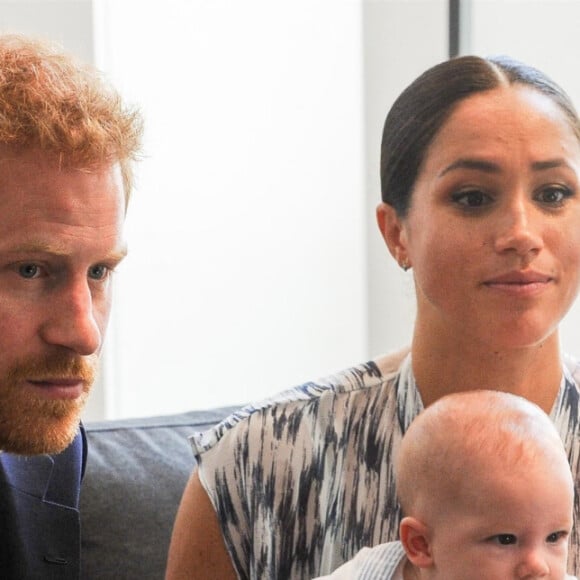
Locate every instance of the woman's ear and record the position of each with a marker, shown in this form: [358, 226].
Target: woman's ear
[415, 538]
[394, 233]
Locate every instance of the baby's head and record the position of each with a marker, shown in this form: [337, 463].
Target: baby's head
[486, 490]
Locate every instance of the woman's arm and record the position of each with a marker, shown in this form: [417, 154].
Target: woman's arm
[197, 550]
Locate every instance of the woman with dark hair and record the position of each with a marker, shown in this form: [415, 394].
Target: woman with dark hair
[480, 177]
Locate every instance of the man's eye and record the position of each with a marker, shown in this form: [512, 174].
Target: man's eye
[98, 272]
[471, 198]
[29, 270]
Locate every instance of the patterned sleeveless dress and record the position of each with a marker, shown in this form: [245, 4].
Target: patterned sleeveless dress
[301, 482]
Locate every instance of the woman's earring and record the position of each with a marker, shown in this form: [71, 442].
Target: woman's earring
[405, 264]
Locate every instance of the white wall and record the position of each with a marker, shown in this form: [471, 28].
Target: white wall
[249, 233]
[68, 22]
[246, 270]
[401, 39]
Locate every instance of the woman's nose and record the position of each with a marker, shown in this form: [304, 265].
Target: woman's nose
[519, 230]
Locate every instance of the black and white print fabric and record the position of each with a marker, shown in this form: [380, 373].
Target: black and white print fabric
[303, 481]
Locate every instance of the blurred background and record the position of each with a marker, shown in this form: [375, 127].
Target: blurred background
[255, 262]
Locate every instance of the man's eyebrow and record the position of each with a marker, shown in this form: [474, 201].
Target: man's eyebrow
[56, 250]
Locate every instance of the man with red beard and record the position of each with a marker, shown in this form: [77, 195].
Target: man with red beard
[67, 144]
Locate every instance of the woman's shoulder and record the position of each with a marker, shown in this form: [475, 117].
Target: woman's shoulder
[312, 401]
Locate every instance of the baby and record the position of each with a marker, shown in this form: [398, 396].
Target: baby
[486, 493]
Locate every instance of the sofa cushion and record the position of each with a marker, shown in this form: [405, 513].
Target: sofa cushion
[135, 476]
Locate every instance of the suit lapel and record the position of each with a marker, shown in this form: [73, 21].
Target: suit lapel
[30, 475]
[39, 518]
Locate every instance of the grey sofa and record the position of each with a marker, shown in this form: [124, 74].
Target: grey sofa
[135, 475]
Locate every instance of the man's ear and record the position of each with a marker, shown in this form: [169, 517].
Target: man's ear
[415, 538]
[394, 233]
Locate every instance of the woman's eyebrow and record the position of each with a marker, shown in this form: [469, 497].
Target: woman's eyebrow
[550, 164]
[491, 167]
[472, 163]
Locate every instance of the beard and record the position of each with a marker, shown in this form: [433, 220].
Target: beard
[31, 424]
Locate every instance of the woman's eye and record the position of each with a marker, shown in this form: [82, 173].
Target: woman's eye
[553, 195]
[29, 271]
[98, 272]
[471, 198]
[506, 539]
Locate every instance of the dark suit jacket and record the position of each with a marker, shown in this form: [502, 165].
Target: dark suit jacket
[39, 516]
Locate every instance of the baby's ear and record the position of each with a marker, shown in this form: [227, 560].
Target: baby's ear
[415, 539]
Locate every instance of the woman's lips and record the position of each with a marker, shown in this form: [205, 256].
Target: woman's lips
[520, 282]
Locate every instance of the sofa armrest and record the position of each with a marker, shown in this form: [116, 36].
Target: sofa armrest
[135, 475]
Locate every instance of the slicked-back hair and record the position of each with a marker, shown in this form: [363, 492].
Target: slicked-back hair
[423, 107]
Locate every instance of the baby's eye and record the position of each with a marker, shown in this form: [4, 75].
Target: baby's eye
[471, 198]
[506, 539]
[555, 537]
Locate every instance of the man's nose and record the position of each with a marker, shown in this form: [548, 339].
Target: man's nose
[71, 321]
